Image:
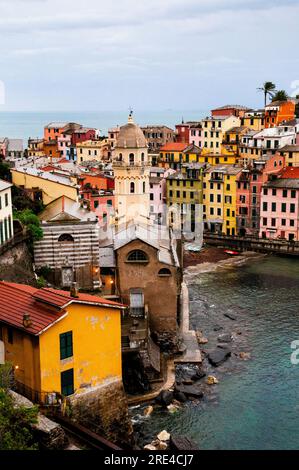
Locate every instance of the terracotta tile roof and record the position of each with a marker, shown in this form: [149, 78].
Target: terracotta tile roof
[174, 147]
[290, 172]
[45, 306]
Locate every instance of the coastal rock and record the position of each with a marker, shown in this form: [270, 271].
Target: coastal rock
[211, 380]
[231, 316]
[148, 411]
[201, 339]
[218, 356]
[200, 374]
[178, 443]
[188, 382]
[245, 356]
[163, 436]
[225, 338]
[193, 391]
[159, 445]
[164, 398]
[180, 396]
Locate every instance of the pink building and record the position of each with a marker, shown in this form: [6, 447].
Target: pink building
[158, 192]
[195, 134]
[3, 146]
[279, 216]
[249, 190]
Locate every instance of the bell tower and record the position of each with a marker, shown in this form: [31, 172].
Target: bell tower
[131, 174]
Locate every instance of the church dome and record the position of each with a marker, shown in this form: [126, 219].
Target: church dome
[131, 136]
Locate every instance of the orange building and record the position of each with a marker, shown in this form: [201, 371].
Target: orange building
[279, 111]
[51, 149]
[56, 129]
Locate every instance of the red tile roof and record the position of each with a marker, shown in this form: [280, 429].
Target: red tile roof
[19, 299]
[290, 172]
[174, 146]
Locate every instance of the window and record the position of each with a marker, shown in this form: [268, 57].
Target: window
[265, 206]
[292, 208]
[132, 188]
[136, 303]
[151, 197]
[293, 193]
[66, 238]
[273, 222]
[218, 211]
[143, 187]
[6, 199]
[283, 221]
[66, 345]
[285, 193]
[292, 223]
[273, 206]
[265, 221]
[283, 207]
[164, 272]
[67, 382]
[273, 192]
[10, 335]
[137, 256]
[265, 191]
[131, 158]
[96, 204]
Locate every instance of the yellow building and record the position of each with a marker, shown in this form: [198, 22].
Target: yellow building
[44, 186]
[93, 150]
[175, 154]
[254, 120]
[225, 158]
[184, 191]
[36, 148]
[60, 343]
[214, 129]
[291, 154]
[219, 199]
[232, 140]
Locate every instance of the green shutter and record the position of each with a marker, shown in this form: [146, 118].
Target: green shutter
[66, 345]
[67, 382]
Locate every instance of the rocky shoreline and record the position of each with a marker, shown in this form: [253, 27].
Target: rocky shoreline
[223, 349]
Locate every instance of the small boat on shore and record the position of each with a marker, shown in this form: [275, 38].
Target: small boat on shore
[232, 252]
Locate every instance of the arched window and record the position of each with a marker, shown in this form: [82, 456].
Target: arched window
[131, 158]
[137, 256]
[144, 187]
[275, 163]
[164, 272]
[142, 157]
[120, 157]
[132, 188]
[66, 238]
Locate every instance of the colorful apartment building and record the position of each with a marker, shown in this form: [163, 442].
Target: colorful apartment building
[254, 119]
[53, 130]
[182, 133]
[220, 199]
[184, 192]
[279, 216]
[214, 129]
[291, 154]
[158, 180]
[99, 150]
[174, 154]
[230, 110]
[232, 140]
[249, 187]
[157, 136]
[35, 147]
[278, 112]
[195, 134]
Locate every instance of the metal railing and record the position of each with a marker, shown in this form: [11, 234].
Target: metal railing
[38, 397]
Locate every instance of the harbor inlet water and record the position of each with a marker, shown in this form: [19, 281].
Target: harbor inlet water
[256, 404]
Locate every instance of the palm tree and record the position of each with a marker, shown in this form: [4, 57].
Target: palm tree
[268, 88]
[280, 95]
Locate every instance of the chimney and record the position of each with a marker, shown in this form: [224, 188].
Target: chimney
[74, 291]
[27, 322]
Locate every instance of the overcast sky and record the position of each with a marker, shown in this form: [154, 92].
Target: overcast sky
[148, 54]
